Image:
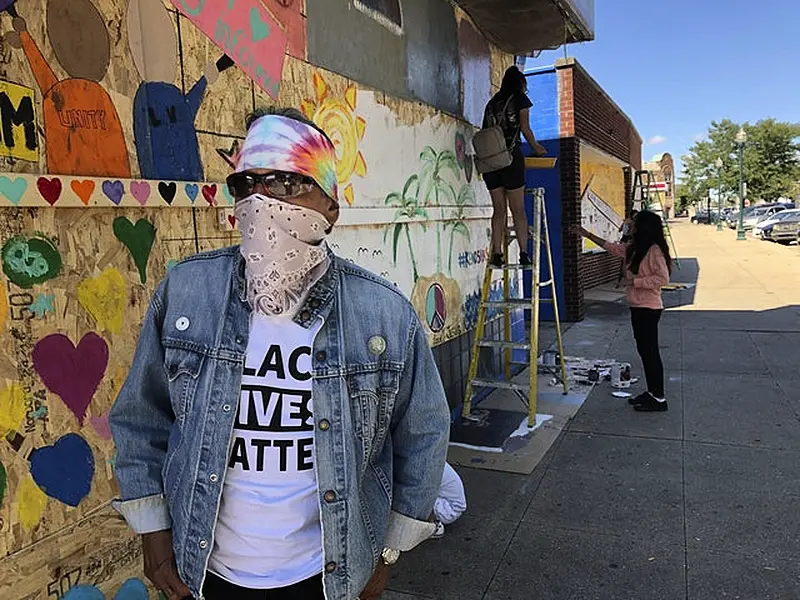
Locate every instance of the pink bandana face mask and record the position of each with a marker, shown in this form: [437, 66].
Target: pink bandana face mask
[284, 251]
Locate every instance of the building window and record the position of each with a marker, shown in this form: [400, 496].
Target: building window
[386, 12]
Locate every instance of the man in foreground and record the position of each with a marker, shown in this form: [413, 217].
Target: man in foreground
[283, 428]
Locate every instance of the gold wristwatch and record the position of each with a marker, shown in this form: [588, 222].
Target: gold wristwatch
[390, 556]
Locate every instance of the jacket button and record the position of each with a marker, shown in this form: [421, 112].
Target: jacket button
[330, 567]
[330, 496]
[239, 339]
[322, 355]
[226, 408]
[314, 303]
[203, 544]
[324, 425]
[213, 477]
[305, 315]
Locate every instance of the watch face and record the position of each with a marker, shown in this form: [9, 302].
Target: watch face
[390, 556]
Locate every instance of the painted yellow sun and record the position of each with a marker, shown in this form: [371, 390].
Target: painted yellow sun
[336, 116]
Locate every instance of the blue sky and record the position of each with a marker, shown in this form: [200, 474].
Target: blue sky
[675, 66]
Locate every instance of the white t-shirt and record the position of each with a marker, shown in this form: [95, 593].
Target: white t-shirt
[268, 531]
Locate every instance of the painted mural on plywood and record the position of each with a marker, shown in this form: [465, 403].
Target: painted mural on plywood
[72, 292]
[603, 200]
[337, 116]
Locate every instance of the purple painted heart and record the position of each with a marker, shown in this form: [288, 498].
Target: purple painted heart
[73, 373]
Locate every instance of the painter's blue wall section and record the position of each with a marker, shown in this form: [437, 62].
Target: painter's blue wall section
[546, 126]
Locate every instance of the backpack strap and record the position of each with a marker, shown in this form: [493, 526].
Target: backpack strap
[493, 120]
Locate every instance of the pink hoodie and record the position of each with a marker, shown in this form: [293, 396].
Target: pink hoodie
[653, 275]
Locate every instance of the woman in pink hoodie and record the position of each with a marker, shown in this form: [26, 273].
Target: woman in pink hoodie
[647, 270]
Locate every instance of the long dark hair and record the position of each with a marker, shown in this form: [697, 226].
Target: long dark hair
[648, 231]
[513, 81]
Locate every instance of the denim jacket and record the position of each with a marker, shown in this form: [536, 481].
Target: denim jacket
[380, 413]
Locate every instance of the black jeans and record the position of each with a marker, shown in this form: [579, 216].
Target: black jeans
[216, 588]
[645, 332]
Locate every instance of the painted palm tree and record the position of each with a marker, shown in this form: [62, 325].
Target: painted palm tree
[408, 209]
[433, 184]
[457, 225]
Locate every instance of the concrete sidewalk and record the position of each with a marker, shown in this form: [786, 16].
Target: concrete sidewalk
[696, 503]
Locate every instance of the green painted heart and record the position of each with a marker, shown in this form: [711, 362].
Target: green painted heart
[30, 261]
[259, 29]
[138, 239]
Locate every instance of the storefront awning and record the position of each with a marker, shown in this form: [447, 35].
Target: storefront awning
[522, 27]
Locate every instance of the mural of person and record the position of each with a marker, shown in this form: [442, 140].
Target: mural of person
[163, 117]
[83, 131]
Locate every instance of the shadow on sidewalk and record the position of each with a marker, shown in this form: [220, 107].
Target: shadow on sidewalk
[695, 503]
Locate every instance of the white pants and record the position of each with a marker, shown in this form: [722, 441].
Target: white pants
[452, 501]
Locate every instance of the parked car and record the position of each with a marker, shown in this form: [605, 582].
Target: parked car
[762, 226]
[785, 231]
[764, 209]
[760, 213]
[705, 217]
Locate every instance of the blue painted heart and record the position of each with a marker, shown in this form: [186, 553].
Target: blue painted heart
[258, 28]
[192, 189]
[64, 471]
[13, 190]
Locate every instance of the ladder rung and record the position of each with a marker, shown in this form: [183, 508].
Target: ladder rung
[504, 344]
[506, 385]
[545, 283]
[514, 303]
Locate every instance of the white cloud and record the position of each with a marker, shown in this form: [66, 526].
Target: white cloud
[656, 139]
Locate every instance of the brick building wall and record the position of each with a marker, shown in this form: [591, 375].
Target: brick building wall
[588, 114]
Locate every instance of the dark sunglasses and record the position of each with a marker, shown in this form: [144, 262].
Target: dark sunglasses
[278, 185]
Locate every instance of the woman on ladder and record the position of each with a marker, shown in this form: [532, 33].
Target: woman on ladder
[509, 109]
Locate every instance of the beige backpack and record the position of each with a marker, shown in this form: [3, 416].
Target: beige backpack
[491, 151]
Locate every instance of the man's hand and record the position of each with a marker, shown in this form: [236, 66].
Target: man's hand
[160, 567]
[539, 150]
[377, 583]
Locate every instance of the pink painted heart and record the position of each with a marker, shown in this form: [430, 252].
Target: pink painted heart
[140, 191]
[72, 373]
[101, 426]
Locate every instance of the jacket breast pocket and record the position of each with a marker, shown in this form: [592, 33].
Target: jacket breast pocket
[372, 399]
[183, 371]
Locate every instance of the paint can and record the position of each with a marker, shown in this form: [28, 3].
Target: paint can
[621, 375]
[550, 358]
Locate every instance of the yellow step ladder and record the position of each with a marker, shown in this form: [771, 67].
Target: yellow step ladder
[527, 392]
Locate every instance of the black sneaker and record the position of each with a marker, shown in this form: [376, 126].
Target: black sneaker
[634, 400]
[524, 259]
[650, 404]
[497, 260]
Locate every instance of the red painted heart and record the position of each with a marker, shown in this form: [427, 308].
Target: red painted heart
[232, 220]
[209, 193]
[50, 189]
[72, 373]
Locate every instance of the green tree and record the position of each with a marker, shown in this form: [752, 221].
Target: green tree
[456, 225]
[434, 185]
[771, 161]
[408, 209]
